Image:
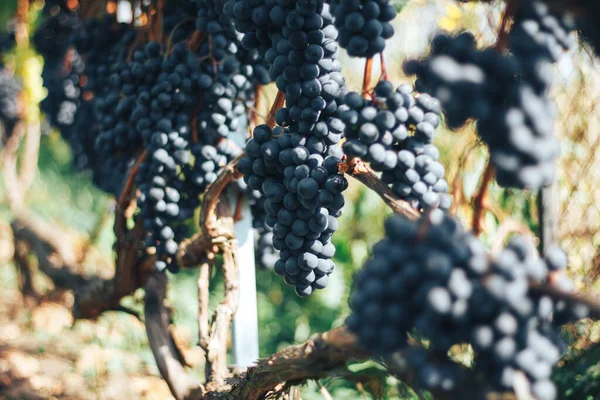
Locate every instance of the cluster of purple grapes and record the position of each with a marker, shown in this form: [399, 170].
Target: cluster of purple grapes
[506, 94]
[304, 198]
[434, 277]
[10, 89]
[364, 25]
[295, 165]
[176, 103]
[394, 132]
[297, 40]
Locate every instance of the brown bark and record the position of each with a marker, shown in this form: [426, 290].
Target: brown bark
[166, 353]
[479, 200]
[316, 358]
[357, 169]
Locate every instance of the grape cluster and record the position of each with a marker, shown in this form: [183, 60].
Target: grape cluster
[538, 38]
[10, 88]
[515, 330]
[297, 40]
[117, 97]
[364, 25]
[77, 78]
[467, 82]
[420, 275]
[375, 126]
[170, 198]
[228, 82]
[508, 95]
[202, 97]
[115, 139]
[394, 131]
[434, 277]
[52, 37]
[304, 198]
[62, 70]
[266, 255]
[297, 171]
[226, 41]
[433, 369]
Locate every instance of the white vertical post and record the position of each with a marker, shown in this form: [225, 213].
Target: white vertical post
[245, 320]
[124, 12]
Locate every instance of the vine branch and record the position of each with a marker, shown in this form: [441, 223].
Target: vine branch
[277, 104]
[166, 354]
[479, 199]
[125, 196]
[570, 297]
[357, 169]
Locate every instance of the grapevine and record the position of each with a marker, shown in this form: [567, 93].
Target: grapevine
[165, 113]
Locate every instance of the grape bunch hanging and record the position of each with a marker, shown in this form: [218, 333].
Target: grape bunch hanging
[506, 94]
[10, 89]
[435, 278]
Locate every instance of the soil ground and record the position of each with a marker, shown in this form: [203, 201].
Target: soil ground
[43, 355]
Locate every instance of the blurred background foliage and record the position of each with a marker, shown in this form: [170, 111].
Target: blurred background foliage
[45, 354]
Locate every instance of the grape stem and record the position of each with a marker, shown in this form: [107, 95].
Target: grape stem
[196, 40]
[366, 86]
[239, 204]
[277, 104]
[479, 200]
[87, 9]
[94, 235]
[253, 112]
[194, 128]
[156, 22]
[22, 17]
[216, 236]
[124, 198]
[384, 74]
